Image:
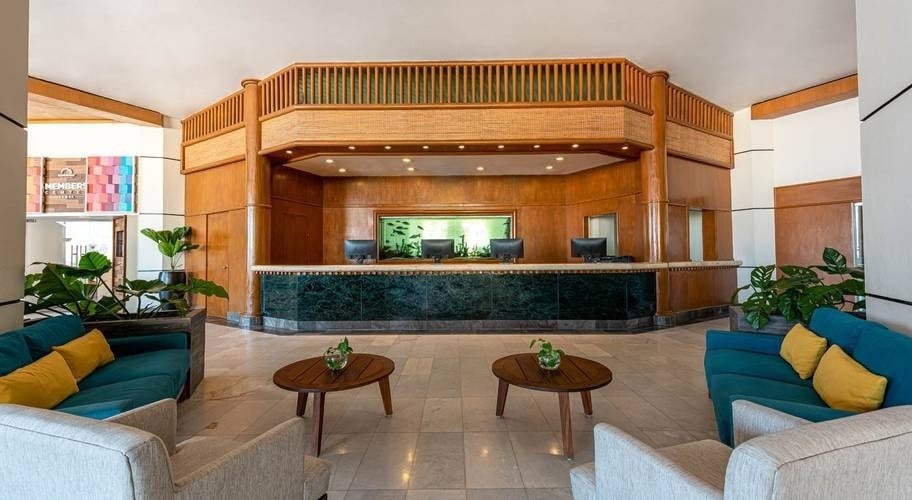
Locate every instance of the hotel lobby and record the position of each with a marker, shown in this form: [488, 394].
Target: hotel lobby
[413, 251]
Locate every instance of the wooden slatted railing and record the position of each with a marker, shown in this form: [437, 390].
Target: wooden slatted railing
[222, 115]
[688, 109]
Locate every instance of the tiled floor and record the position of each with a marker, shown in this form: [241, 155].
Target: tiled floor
[443, 440]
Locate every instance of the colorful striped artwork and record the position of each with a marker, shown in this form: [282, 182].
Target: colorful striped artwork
[34, 185]
[111, 184]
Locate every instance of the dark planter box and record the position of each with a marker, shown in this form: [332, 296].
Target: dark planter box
[194, 325]
[776, 326]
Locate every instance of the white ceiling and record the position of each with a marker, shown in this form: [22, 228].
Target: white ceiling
[176, 56]
[464, 164]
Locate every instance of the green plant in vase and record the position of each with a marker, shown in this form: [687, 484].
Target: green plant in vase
[549, 358]
[336, 357]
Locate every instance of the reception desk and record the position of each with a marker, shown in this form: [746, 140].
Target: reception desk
[463, 297]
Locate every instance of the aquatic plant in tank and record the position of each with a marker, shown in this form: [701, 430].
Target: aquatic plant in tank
[400, 237]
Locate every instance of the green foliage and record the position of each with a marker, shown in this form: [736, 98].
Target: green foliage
[547, 354]
[172, 243]
[799, 290]
[401, 239]
[342, 347]
[81, 290]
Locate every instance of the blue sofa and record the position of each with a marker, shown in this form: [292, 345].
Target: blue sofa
[744, 365]
[146, 368]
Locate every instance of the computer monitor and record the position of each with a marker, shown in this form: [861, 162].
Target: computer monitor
[507, 249]
[359, 250]
[590, 249]
[618, 258]
[437, 249]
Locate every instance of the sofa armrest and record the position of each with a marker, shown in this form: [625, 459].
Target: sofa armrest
[159, 418]
[811, 413]
[743, 341]
[126, 346]
[750, 420]
[98, 411]
[625, 467]
[272, 462]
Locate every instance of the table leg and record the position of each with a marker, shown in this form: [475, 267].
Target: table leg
[502, 388]
[563, 399]
[302, 404]
[385, 394]
[317, 429]
[587, 402]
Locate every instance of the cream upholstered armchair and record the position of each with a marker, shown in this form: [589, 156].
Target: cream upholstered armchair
[776, 456]
[48, 454]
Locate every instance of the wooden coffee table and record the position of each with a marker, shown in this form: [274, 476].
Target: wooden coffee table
[575, 374]
[312, 376]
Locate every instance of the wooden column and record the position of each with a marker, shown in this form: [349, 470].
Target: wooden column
[258, 203]
[654, 181]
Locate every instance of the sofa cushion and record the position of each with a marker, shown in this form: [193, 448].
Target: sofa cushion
[14, 352]
[172, 363]
[803, 350]
[750, 363]
[42, 384]
[845, 384]
[85, 354]
[45, 334]
[98, 411]
[725, 388]
[138, 392]
[840, 328]
[888, 353]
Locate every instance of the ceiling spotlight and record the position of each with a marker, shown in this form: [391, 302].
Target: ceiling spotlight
[351, 148]
[479, 168]
[387, 148]
[406, 160]
[330, 160]
[500, 146]
[341, 170]
[560, 158]
[461, 146]
[425, 147]
[288, 151]
[411, 169]
[536, 146]
[574, 146]
[625, 147]
[549, 167]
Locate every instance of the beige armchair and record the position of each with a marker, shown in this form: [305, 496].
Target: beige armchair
[776, 456]
[48, 454]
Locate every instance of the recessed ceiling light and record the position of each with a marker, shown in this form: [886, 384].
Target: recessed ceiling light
[411, 169]
[479, 168]
[288, 151]
[536, 146]
[500, 146]
[574, 146]
[341, 170]
[425, 147]
[560, 158]
[330, 160]
[549, 167]
[406, 160]
[461, 146]
[351, 148]
[387, 148]
[625, 147]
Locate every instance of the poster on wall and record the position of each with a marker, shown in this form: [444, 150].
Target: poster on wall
[64, 185]
[110, 184]
[34, 168]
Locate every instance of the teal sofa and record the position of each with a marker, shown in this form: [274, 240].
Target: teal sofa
[744, 365]
[146, 368]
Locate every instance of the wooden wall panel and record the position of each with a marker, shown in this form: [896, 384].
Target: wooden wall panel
[618, 179]
[543, 230]
[699, 288]
[297, 237]
[812, 216]
[629, 217]
[216, 189]
[195, 261]
[802, 100]
[221, 148]
[297, 186]
[237, 260]
[678, 249]
[218, 268]
[699, 145]
[698, 185]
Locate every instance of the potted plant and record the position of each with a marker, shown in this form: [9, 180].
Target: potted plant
[134, 308]
[777, 303]
[549, 358]
[336, 357]
[172, 243]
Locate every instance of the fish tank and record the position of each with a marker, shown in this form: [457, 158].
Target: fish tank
[400, 236]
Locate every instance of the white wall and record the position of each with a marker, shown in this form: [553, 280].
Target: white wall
[44, 242]
[884, 42]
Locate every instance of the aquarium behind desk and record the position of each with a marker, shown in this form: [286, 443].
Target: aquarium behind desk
[400, 236]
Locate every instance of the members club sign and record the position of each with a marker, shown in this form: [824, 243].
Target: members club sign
[96, 184]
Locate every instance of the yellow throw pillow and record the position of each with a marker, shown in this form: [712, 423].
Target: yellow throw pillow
[845, 384]
[802, 349]
[42, 384]
[85, 354]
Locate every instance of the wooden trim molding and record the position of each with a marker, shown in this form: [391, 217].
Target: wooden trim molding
[803, 100]
[103, 108]
[845, 190]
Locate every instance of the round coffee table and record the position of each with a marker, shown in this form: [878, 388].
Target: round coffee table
[575, 374]
[312, 376]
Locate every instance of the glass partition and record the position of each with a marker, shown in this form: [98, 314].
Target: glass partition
[400, 236]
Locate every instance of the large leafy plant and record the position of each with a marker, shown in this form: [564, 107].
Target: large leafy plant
[797, 290]
[172, 243]
[82, 290]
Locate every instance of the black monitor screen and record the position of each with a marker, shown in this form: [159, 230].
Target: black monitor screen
[360, 249]
[590, 249]
[507, 248]
[437, 249]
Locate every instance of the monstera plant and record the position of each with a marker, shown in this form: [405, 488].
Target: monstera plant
[82, 290]
[797, 291]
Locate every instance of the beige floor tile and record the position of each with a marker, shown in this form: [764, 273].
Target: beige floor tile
[540, 458]
[387, 463]
[490, 461]
[345, 451]
[496, 494]
[435, 494]
[406, 416]
[439, 461]
[442, 415]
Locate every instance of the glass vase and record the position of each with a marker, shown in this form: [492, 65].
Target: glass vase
[549, 360]
[335, 360]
